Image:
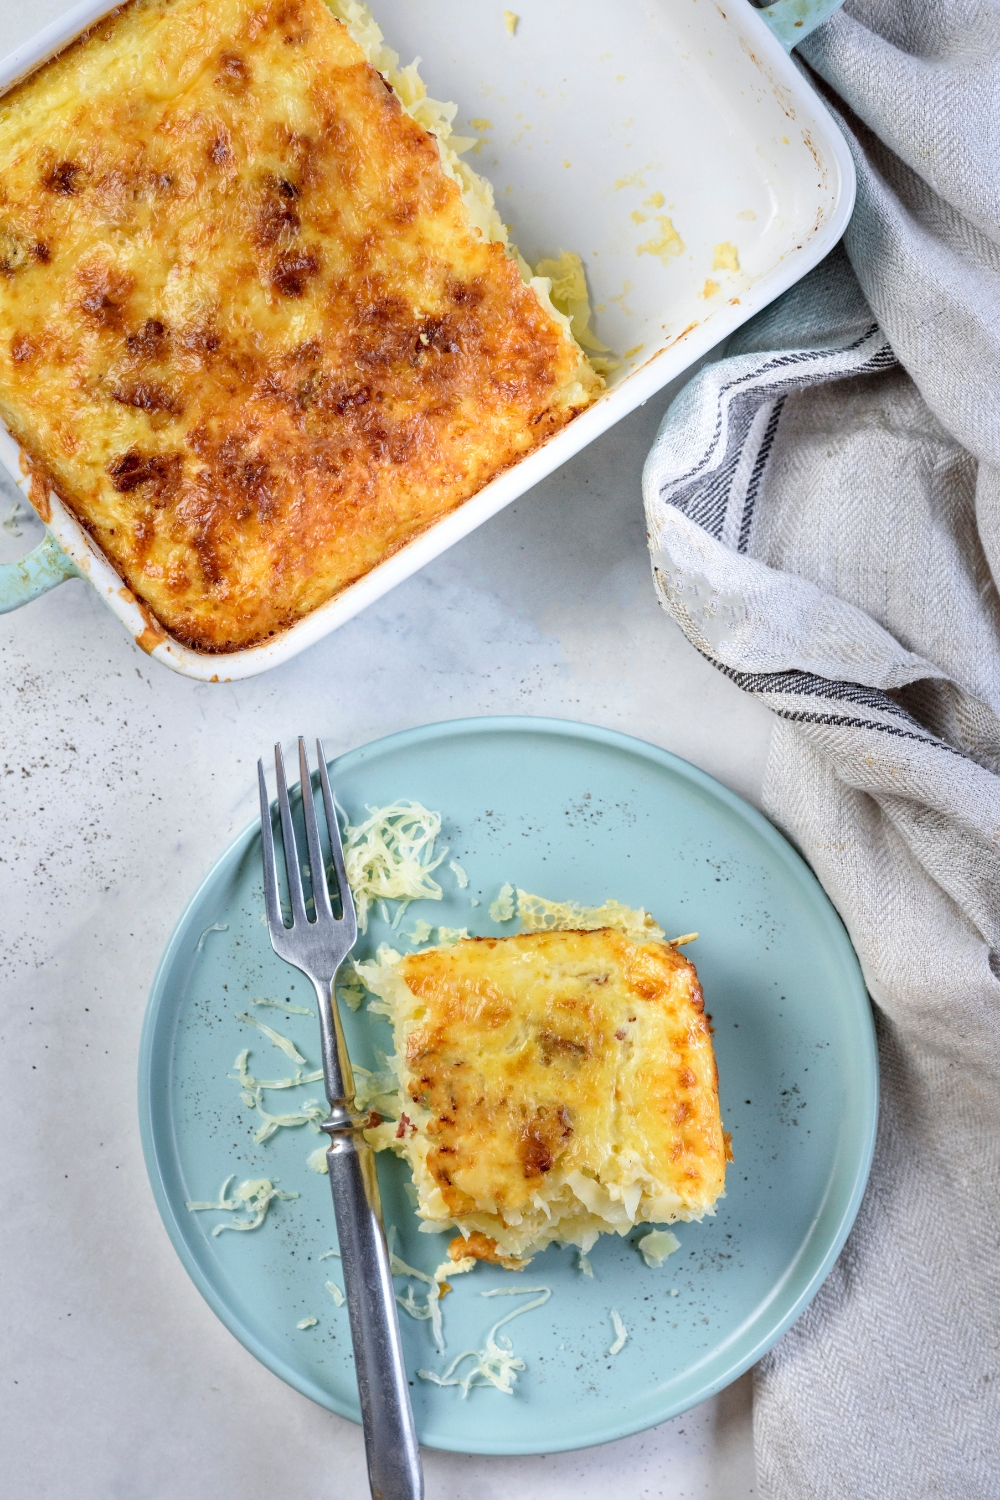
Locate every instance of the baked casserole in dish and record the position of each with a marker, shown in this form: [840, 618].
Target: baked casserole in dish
[656, 143]
[260, 327]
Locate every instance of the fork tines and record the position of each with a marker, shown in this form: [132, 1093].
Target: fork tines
[323, 912]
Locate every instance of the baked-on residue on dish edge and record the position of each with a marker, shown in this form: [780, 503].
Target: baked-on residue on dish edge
[261, 327]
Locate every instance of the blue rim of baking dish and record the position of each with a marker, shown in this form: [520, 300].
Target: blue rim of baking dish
[801, 1281]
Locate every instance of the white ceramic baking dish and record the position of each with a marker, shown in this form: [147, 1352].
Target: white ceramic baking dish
[595, 118]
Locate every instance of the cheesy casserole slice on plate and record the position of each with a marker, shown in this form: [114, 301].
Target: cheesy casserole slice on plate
[258, 326]
[554, 1086]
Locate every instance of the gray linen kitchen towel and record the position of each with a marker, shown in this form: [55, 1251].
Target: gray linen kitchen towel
[824, 520]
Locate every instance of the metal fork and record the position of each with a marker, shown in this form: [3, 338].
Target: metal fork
[318, 947]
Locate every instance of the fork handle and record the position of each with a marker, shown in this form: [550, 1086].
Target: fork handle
[394, 1471]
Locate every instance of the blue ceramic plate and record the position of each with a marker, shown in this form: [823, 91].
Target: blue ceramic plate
[567, 811]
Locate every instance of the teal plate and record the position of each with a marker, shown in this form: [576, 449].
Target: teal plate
[567, 811]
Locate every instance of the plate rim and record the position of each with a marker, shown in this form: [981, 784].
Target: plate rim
[867, 1062]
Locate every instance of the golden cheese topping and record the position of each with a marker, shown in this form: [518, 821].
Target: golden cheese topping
[555, 1085]
[247, 331]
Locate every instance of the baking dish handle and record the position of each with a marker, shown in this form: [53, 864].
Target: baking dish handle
[34, 574]
[792, 20]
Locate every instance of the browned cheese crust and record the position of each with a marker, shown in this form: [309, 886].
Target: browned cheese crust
[245, 326]
[556, 1051]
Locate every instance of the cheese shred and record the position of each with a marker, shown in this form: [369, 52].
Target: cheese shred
[621, 1332]
[255, 1195]
[430, 1308]
[495, 1364]
[390, 856]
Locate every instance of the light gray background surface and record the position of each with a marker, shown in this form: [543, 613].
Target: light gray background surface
[119, 785]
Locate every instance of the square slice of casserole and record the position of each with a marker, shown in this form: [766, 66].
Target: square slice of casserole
[555, 1086]
[259, 327]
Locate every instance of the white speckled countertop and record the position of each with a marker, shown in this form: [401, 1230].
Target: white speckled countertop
[120, 784]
